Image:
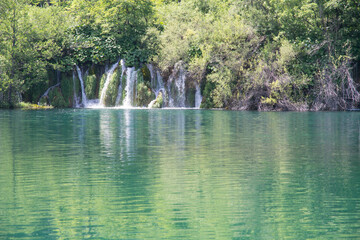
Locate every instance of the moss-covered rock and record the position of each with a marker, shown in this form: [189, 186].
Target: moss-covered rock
[112, 90]
[67, 88]
[190, 97]
[158, 102]
[90, 86]
[56, 98]
[144, 95]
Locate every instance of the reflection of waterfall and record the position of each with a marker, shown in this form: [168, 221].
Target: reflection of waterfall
[108, 78]
[106, 133]
[83, 94]
[127, 129]
[179, 132]
[130, 91]
[119, 96]
[198, 97]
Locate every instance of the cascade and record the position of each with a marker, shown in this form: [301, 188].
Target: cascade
[160, 83]
[109, 73]
[119, 96]
[58, 76]
[131, 76]
[198, 97]
[83, 94]
[157, 83]
[177, 100]
[180, 84]
[174, 90]
[47, 91]
[76, 100]
[152, 75]
[151, 104]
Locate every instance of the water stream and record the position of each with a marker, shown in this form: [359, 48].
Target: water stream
[83, 94]
[130, 91]
[120, 90]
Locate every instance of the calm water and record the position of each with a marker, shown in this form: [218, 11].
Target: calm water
[179, 174]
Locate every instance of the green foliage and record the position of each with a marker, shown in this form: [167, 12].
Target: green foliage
[208, 101]
[145, 75]
[32, 42]
[249, 54]
[93, 49]
[30, 106]
[111, 28]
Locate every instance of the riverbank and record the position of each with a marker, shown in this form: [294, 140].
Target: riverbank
[31, 106]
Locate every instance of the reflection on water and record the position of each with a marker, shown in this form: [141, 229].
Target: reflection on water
[179, 174]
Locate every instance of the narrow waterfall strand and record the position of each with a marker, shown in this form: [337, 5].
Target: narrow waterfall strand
[119, 96]
[83, 94]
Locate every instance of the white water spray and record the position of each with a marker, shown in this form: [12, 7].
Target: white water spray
[198, 97]
[178, 99]
[131, 77]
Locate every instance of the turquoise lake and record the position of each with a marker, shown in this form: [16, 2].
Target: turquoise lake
[179, 174]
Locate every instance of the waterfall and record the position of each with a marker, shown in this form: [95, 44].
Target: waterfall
[58, 76]
[160, 83]
[175, 89]
[76, 100]
[157, 83]
[180, 84]
[47, 91]
[131, 76]
[198, 97]
[151, 104]
[177, 100]
[83, 94]
[119, 96]
[152, 75]
[109, 73]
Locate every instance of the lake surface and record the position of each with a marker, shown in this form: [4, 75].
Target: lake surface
[179, 174]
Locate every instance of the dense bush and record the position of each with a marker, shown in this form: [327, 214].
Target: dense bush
[248, 54]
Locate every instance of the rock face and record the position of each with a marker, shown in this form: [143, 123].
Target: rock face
[122, 86]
